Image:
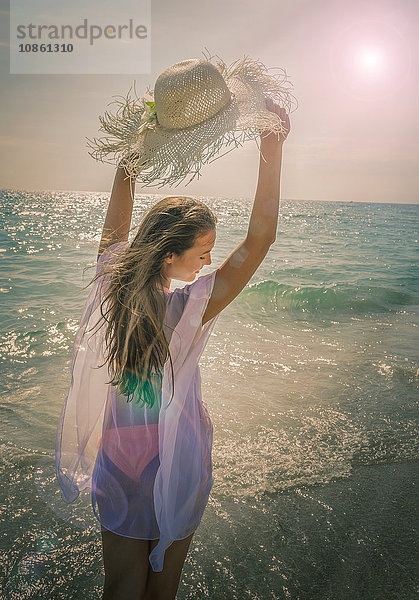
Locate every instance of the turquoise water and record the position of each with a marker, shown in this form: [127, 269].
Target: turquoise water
[310, 378]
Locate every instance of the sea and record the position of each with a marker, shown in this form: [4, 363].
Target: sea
[310, 378]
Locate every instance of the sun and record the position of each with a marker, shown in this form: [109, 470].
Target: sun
[370, 58]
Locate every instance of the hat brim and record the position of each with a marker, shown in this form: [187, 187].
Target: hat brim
[159, 156]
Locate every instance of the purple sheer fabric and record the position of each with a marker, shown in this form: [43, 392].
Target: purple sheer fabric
[149, 470]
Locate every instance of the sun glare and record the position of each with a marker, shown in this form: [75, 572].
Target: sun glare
[368, 57]
[371, 59]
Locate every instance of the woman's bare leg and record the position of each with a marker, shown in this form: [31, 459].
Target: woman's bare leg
[163, 585]
[126, 566]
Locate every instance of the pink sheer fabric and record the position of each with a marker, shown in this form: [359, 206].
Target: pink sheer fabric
[149, 470]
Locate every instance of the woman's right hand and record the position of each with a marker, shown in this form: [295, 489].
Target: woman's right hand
[271, 140]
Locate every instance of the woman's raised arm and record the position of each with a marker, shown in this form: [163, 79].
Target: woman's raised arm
[264, 218]
[242, 263]
[118, 218]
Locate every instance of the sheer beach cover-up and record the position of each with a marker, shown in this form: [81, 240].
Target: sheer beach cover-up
[149, 470]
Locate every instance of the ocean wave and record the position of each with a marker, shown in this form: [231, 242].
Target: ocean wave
[270, 296]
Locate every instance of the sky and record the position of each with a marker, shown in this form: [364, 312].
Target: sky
[354, 69]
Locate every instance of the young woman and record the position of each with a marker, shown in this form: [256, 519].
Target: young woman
[149, 510]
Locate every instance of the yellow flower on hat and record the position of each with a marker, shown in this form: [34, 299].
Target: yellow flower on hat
[149, 117]
[149, 112]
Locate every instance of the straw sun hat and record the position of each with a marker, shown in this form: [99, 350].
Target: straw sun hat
[195, 109]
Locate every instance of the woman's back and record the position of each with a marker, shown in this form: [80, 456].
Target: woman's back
[149, 469]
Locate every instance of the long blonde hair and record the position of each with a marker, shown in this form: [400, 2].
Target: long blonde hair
[135, 345]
